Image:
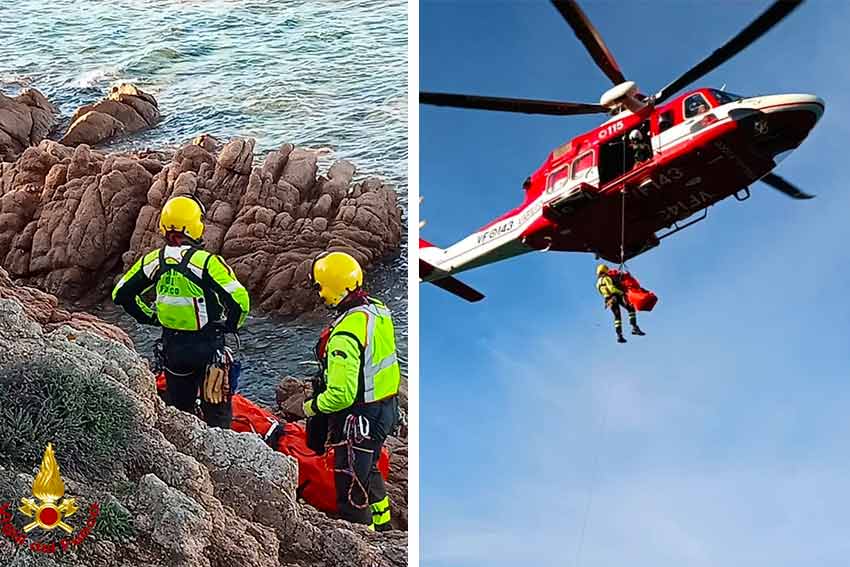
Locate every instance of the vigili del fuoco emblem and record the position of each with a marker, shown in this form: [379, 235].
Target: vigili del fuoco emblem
[49, 509]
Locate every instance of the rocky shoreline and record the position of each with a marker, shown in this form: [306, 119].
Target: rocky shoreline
[72, 218]
[172, 491]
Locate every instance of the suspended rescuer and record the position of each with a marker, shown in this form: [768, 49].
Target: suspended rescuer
[361, 380]
[198, 300]
[614, 299]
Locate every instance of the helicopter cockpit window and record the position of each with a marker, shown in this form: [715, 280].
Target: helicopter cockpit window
[723, 97]
[665, 120]
[582, 164]
[558, 179]
[695, 105]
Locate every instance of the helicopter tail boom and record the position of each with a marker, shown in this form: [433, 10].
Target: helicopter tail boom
[441, 278]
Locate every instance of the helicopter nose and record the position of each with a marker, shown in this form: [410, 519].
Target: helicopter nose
[778, 124]
[794, 103]
[807, 102]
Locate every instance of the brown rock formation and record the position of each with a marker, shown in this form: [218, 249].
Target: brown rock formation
[44, 309]
[24, 121]
[180, 493]
[126, 109]
[66, 215]
[269, 221]
[71, 219]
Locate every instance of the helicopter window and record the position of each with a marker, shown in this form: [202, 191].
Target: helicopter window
[723, 97]
[558, 179]
[696, 104]
[582, 164]
[665, 120]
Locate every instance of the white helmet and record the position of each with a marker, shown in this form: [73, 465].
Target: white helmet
[635, 136]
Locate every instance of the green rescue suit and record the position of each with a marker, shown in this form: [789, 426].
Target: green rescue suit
[361, 380]
[194, 291]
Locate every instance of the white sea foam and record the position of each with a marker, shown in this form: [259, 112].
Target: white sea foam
[94, 77]
[17, 80]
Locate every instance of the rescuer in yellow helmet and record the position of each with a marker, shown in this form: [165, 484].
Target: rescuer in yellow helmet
[198, 299]
[615, 298]
[360, 380]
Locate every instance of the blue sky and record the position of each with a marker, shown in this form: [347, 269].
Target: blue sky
[722, 437]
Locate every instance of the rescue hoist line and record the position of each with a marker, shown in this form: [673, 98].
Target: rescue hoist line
[623, 227]
[623, 214]
[594, 473]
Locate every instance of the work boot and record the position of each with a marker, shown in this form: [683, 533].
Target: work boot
[620, 337]
[636, 331]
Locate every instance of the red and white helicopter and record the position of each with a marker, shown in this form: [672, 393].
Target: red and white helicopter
[593, 195]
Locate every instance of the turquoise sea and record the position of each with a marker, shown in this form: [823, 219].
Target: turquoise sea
[317, 73]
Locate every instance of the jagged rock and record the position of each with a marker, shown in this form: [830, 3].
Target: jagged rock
[44, 309]
[290, 395]
[397, 481]
[174, 521]
[126, 109]
[92, 128]
[190, 495]
[71, 219]
[207, 142]
[24, 121]
[66, 219]
[269, 221]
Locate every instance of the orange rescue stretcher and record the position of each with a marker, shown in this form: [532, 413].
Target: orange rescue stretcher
[315, 472]
[640, 298]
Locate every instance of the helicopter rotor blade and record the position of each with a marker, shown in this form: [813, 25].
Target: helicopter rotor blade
[526, 106]
[757, 28]
[591, 39]
[780, 184]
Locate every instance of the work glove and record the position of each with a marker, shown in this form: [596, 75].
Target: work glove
[308, 408]
[609, 301]
[216, 386]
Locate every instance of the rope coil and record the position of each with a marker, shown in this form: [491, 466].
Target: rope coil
[354, 432]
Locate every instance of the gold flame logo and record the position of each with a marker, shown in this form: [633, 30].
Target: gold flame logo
[48, 488]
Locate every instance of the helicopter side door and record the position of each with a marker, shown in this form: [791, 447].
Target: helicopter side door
[617, 156]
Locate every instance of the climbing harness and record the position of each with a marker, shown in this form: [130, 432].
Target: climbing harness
[355, 431]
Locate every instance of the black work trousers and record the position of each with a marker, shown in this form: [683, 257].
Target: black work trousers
[615, 302]
[186, 357]
[352, 503]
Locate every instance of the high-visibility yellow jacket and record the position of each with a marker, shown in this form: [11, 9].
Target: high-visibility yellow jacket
[606, 287]
[360, 360]
[193, 288]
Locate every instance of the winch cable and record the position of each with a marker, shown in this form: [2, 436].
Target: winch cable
[622, 228]
[594, 472]
[623, 214]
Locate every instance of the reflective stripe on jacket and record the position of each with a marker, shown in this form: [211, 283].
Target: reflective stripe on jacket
[193, 287]
[362, 366]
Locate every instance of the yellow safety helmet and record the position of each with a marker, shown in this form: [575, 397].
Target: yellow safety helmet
[183, 214]
[335, 274]
[601, 269]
